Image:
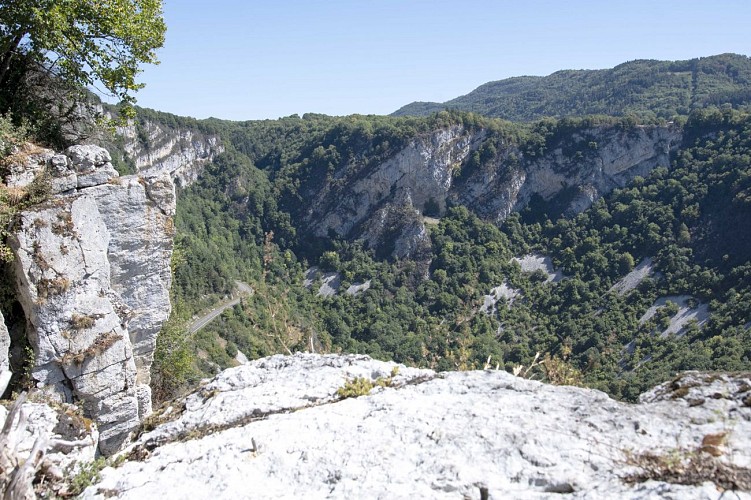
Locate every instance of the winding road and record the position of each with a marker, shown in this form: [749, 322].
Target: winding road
[244, 290]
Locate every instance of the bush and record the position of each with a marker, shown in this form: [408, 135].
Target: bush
[173, 359]
[358, 386]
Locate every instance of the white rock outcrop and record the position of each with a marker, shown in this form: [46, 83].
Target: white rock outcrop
[632, 280]
[276, 428]
[501, 292]
[420, 172]
[93, 278]
[688, 309]
[365, 201]
[533, 262]
[178, 152]
[383, 202]
[589, 165]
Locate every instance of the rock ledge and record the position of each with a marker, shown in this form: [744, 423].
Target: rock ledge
[276, 428]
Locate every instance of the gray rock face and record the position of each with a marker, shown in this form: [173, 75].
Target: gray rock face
[92, 266]
[29, 162]
[179, 153]
[139, 215]
[420, 172]
[4, 354]
[397, 188]
[592, 163]
[80, 343]
[384, 202]
[277, 428]
[91, 165]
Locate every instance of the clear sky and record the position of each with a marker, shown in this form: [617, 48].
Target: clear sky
[252, 59]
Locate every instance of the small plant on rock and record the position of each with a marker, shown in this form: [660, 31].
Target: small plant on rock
[552, 369]
[81, 322]
[361, 386]
[358, 386]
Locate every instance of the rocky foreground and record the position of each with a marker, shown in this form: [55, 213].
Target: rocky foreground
[281, 427]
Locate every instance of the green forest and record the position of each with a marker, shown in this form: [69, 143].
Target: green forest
[691, 218]
[648, 89]
[463, 301]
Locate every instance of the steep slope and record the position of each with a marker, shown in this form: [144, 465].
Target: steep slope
[279, 427]
[647, 88]
[92, 265]
[436, 213]
[493, 171]
[157, 143]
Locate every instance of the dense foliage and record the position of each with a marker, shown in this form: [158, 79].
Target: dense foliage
[692, 219]
[645, 88]
[52, 52]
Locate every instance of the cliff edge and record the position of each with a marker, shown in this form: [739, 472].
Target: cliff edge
[93, 277]
[330, 426]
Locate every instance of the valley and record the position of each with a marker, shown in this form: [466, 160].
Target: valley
[187, 281]
[432, 212]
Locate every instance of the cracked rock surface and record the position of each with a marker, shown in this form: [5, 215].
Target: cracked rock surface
[276, 428]
[93, 278]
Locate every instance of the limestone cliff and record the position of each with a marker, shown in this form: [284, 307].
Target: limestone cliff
[584, 167]
[93, 278]
[280, 427]
[180, 152]
[383, 202]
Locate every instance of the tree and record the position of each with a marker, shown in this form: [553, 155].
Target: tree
[85, 43]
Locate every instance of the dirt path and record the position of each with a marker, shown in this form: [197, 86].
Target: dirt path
[244, 290]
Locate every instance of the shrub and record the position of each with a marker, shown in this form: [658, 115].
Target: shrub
[358, 386]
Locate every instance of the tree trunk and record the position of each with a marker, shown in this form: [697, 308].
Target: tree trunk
[7, 56]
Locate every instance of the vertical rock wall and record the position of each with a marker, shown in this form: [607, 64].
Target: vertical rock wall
[384, 202]
[4, 355]
[178, 152]
[93, 277]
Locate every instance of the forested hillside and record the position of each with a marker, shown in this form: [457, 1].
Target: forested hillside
[465, 301]
[645, 88]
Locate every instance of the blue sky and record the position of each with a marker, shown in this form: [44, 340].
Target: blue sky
[253, 59]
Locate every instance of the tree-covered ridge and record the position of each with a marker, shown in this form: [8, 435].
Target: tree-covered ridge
[645, 88]
[691, 218]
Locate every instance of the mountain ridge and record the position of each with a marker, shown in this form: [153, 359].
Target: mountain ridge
[645, 87]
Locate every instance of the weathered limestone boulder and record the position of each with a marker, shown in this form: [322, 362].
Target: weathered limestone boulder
[81, 347]
[278, 427]
[92, 265]
[91, 165]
